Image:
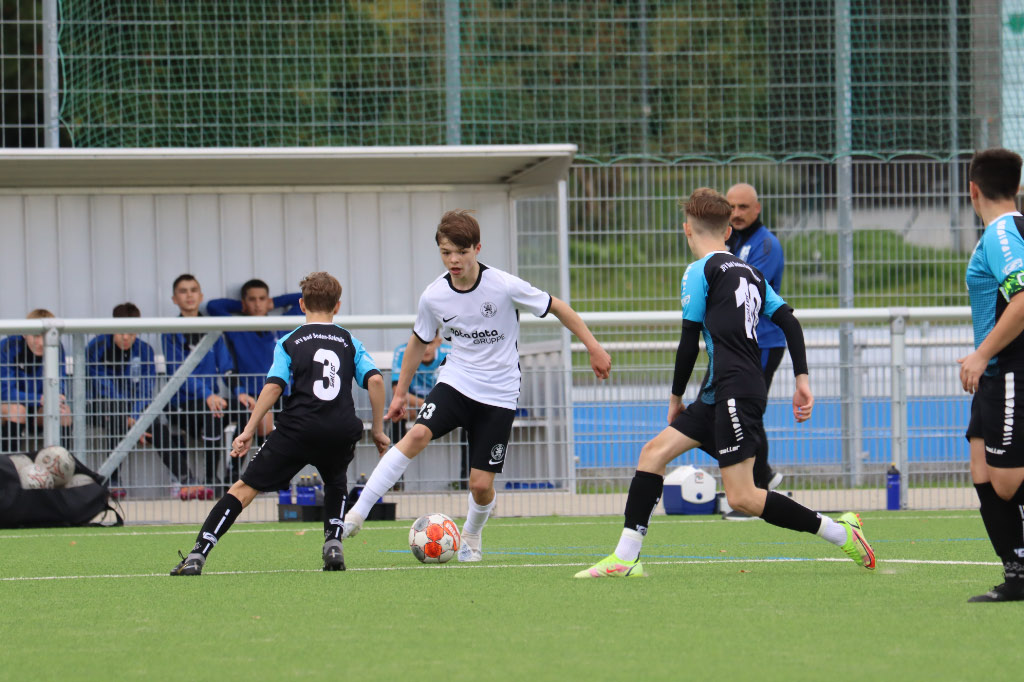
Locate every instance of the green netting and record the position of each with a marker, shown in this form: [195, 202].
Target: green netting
[715, 79]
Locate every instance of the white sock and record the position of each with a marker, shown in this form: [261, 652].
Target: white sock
[832, 531]
[630, 543]
[477, 516]
[387, 472]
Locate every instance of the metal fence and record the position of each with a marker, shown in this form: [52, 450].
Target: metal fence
[574, 446]
[667, 79]
[903, 243]
[853, 119]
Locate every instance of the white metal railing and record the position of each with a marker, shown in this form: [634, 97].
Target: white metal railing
[552, 451]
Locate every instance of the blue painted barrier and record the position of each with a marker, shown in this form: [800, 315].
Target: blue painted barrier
[611, 434]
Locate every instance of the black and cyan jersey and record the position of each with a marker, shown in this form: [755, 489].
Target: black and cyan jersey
[482, 325]
[995, 274]
[319, 360]
[726, 297]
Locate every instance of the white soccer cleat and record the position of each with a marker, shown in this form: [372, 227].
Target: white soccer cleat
[352, 525]
[471, 548]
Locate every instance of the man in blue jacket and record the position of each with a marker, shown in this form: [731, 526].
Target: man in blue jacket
[198, 408]
[752, 242]
[252, 351]
[122, 382]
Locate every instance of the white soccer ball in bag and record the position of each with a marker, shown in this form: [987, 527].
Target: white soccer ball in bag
[78, 480]
[21, 461]
[434, 539]
[59, 462]
[35, 478]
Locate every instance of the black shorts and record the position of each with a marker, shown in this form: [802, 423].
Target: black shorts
[278, 460]
[731, 430]
[997, 416]
[487, 427]
[974, 425]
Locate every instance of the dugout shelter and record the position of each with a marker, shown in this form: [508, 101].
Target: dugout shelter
[86, 229]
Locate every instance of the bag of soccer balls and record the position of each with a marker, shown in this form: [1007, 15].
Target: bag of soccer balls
[54, 467]
[434, 539]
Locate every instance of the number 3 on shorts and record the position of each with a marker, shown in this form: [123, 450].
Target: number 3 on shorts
[427, 411]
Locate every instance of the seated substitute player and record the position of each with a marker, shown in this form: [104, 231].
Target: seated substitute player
[197, 407]
[252, 351]
[318, 425]
[21, 387]
[122, 383]
[477, 308]
[995, 279]
[722, 298]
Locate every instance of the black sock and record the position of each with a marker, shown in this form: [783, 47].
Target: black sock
[644, 493]
[1013, 560]
[217, 523]
[786, 512]
[994, 513]
[334, 512]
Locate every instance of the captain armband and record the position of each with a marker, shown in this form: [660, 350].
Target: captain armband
[1012, 284]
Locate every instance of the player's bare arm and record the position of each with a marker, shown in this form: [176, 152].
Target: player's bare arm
[1008, 328]
[600, 360]
[410, 363]
[375, 387]
[268, 397]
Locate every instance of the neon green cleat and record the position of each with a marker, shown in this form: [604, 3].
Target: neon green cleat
[613, 567]
[856, 545]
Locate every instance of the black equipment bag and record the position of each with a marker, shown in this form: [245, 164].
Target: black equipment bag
[78, 506]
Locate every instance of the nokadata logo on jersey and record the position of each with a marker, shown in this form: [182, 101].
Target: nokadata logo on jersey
[478, 337]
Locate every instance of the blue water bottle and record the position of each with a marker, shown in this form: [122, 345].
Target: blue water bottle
[892, 488]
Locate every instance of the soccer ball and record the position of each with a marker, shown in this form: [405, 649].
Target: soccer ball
[59, 462]
[78, 480]
[434, 539]
[35, 478]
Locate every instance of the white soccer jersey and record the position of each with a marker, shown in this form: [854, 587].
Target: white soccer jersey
[482, 325]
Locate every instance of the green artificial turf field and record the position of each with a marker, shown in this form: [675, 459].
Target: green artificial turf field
[723, 601]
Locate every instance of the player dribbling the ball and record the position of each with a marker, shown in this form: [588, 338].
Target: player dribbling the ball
[477, 309]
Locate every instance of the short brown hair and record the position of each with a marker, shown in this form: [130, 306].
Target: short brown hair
[38, 314]
[996, 172]
[320, 292]
[707, 210]
[127, 309]
[184, 277]
[459, 227]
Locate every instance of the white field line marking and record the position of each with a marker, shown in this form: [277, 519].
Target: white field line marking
[497, 523]
[508, 566]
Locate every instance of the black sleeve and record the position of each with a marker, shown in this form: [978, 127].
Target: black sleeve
[790, 326]
[686, 356]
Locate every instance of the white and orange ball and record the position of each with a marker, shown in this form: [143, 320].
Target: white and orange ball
[434, 539]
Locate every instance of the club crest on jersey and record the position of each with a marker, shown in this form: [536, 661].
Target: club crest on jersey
[497, 453]
[488, 309]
